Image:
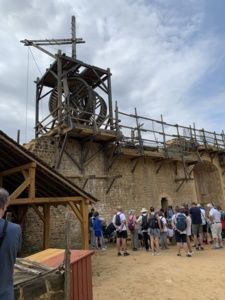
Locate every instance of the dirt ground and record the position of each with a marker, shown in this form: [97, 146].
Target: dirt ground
[164, 277]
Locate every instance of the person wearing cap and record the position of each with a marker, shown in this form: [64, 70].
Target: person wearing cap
[10, 244]
[143, 221]
[216, 226]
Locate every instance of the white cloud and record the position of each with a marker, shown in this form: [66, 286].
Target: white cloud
[155, 50]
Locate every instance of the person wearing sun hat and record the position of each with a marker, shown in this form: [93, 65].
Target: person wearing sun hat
[143, 220]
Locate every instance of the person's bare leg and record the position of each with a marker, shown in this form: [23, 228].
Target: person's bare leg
[152, 243]
[178, 249]
[185, 246]
[201, 239]
[157, 244]
[189, 244]
[196, 241]
[118, 244]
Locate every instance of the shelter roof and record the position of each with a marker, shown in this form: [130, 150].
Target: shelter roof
[49, 182]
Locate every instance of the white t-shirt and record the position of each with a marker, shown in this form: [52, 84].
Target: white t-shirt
[170, 232]
[188, 229]
[122, 227]
[164, 223]
[215, 214]
[203, 216]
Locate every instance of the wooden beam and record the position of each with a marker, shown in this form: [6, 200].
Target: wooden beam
[46, 210]
[25, 173]
[52, 200]
[38, 212]
[18, 169]
[181, 179]
[159, 167]
[20, 189]
[32, 173]
[135, 165]
[76, 210]
[111, 183]
[84, 224]
[22, 214]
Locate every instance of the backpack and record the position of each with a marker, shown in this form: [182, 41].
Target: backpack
[153, 222]
[144, 222]
[222, 216]
[117, 220]
[131, 224]
[181, 222]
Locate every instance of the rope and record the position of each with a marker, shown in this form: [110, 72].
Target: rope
[41, 108]
[35, 61]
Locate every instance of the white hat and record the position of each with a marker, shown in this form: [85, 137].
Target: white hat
[209, 205]
[143, 210]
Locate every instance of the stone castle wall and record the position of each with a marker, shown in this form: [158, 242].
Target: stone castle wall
[144, 187]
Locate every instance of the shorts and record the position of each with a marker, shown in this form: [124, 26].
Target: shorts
[204, 228]
[180, 237]
[216, 229]
[121, 234]
[98, 233]
[154, 232]
[196, 229]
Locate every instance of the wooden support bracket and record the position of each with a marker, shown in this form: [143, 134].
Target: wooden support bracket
[159, 166]
[61, 150]
[135, 164]
[85, 183]
[76, 210]
[41, 216]
[111, 183]
[74, 160]
[88, 160]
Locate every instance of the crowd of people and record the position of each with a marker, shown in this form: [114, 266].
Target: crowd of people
[189, 226]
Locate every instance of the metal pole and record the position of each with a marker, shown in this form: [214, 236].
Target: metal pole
[74, 54]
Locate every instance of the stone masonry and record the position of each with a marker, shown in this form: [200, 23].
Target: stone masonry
[142, 188]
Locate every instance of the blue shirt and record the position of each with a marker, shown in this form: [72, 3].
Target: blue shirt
[195, 213]
[8, 252]
[97, 224]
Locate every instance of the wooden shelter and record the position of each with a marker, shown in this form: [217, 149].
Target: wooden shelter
[32, 183]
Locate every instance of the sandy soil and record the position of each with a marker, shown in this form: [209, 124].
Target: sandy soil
[164, 277]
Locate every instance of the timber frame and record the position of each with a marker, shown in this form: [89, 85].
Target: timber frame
[31, 183]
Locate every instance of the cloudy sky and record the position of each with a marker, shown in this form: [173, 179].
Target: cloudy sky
[166, 56]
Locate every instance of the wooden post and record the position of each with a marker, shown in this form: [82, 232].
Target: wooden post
[37, 108]
[67, 258]
[46, 210]
[59, 86]
[110, 99]
[84, 224]
[32, 172]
